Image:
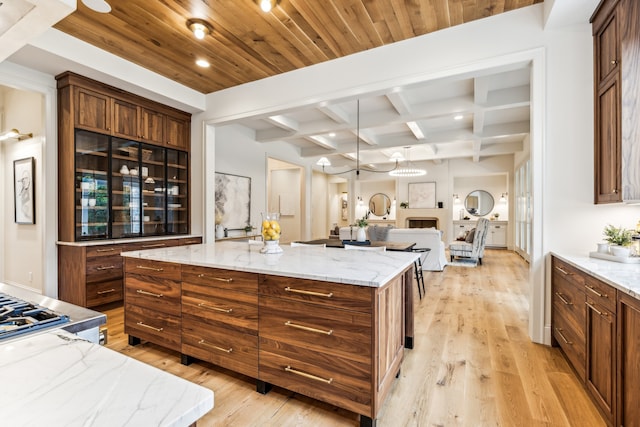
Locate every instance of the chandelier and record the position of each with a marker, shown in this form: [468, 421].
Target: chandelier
[408, 170]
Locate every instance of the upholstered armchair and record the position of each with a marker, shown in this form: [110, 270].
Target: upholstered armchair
[473, 249]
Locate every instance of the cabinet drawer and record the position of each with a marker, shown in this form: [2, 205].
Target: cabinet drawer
[153, 293]
[104, 268]
[104, 292]
[102, 251]
[338, 332]
[153, 244]
[191, 241]
[224, 279]
[155, 269]
[569, 300]
[572, 343]
[235, 309]
[568, 272]
[325, 377]
[601, 293]
[152, 325]
[350, 297]
[223, 347]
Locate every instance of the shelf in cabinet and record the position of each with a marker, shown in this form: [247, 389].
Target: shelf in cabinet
[91, 224]
[91, 171]
[176, 222]
[102, 208]
[126, 158]
[177, 166]
[176, 181]
[152, 162]
[91, 152]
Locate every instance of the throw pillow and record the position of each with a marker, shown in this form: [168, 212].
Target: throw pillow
[470, 235]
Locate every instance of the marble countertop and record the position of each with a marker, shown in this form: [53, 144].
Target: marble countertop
[58, 379]
[624, 277]
[353, 267]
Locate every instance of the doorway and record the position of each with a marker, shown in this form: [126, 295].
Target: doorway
[286, 194]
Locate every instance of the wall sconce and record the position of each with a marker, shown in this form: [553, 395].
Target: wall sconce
[199, 27]
[15, 134]
[456, 199]
[360, 202]
[503, 198]
[267, 5]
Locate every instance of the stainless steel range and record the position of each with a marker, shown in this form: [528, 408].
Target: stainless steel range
[18, 317]
[23, 312]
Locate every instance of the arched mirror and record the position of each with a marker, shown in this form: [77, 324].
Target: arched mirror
[478, 203]
[380, 204]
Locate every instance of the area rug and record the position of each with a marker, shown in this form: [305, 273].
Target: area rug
[461, 262]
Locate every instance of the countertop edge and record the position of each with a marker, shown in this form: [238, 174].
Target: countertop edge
[127, 240]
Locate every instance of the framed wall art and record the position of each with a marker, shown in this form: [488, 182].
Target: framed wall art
[233, 200]
[24, 194]
[422, 195]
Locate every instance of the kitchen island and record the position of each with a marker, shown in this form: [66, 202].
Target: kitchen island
[323, 322]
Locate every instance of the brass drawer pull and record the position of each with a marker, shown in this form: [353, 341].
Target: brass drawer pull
[595, 309]
[191, 242]
[219, 279]
[562, 271]
[150, 327]
[151, 294]
[304, 374]
[307, 328]
[299, 291]
[157, 245]
[206, 344]
[109, 267]
[142, 267]
[559, 331]
[563, 299]
[105, 250]
[108, 291]
[596, 292]
[210, 307]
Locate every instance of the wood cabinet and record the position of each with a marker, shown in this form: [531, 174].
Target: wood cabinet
[90, 276]
[616, 38]
[596, 326]
[152, 303]
[628, 376]
[220, 318]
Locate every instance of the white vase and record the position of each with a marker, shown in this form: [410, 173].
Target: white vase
[620, 251]
[219, 231]
[361, 235]
[603, 248]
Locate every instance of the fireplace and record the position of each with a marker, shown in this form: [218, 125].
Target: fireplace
[422, 222]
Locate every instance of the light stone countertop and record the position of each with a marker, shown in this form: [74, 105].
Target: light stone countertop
[58, 379]
[353, 267]
[624, 277]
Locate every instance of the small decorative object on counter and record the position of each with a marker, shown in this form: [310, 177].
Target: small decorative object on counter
[361, 234]
[271, 233]
[620, 239]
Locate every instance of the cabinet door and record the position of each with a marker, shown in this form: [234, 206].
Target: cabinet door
[125, 119]
[154, 190]
[607, 144]
[628, 360]
[92, 111]
[607, 52]
[177, 133]
[91, 189]
[152, 126]
[177, 192]
[601, 362]
[125, 189]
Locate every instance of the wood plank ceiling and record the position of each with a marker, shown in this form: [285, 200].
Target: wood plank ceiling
[248, 44]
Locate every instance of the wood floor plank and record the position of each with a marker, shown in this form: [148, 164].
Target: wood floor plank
[473, 364]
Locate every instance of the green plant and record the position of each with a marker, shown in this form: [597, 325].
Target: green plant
[404, 205]
[362, 222]
[617, 235]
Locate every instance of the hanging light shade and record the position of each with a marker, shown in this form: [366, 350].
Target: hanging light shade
[408, 170]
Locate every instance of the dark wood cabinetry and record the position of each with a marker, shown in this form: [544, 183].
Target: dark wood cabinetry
[616, 39]
[596, 326]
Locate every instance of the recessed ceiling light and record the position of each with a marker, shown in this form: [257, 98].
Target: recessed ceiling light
[332, 134]
[199, 27]
[203, 63]
[267, 5]
[458, 117]
[100, 6]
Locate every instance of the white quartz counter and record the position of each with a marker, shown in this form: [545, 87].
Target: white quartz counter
[57, 379]
[363, 268]
[624, 277]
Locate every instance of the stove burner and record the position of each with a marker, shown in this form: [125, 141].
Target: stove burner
[19, 317]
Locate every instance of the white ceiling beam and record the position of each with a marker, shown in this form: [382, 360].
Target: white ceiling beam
[480, 90]
[399, 103]
[335, 113]
[322, 142]
[416, 129]
[508, 98]
[475, 148]
[283, 122]
[274, 134]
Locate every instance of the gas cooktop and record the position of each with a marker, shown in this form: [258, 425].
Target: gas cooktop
[19, 317]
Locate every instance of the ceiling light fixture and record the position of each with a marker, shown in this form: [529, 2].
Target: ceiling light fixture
[323, 161]
[100, 6]
[15, 134]
[199, 27]
[267, 5]
[203, 63]
[408, 170]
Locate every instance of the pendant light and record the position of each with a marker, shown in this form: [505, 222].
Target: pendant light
[408, 170]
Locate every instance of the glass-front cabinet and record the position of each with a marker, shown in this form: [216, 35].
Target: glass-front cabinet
[128, 189]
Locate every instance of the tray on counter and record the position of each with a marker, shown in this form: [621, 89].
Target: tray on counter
[608, 257]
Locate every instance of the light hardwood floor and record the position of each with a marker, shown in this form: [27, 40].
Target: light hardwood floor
[472, 365]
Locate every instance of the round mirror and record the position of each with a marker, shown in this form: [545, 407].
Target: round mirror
[380, 204]
[478, 203]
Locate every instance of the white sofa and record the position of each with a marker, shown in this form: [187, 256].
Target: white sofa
[431, 238]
